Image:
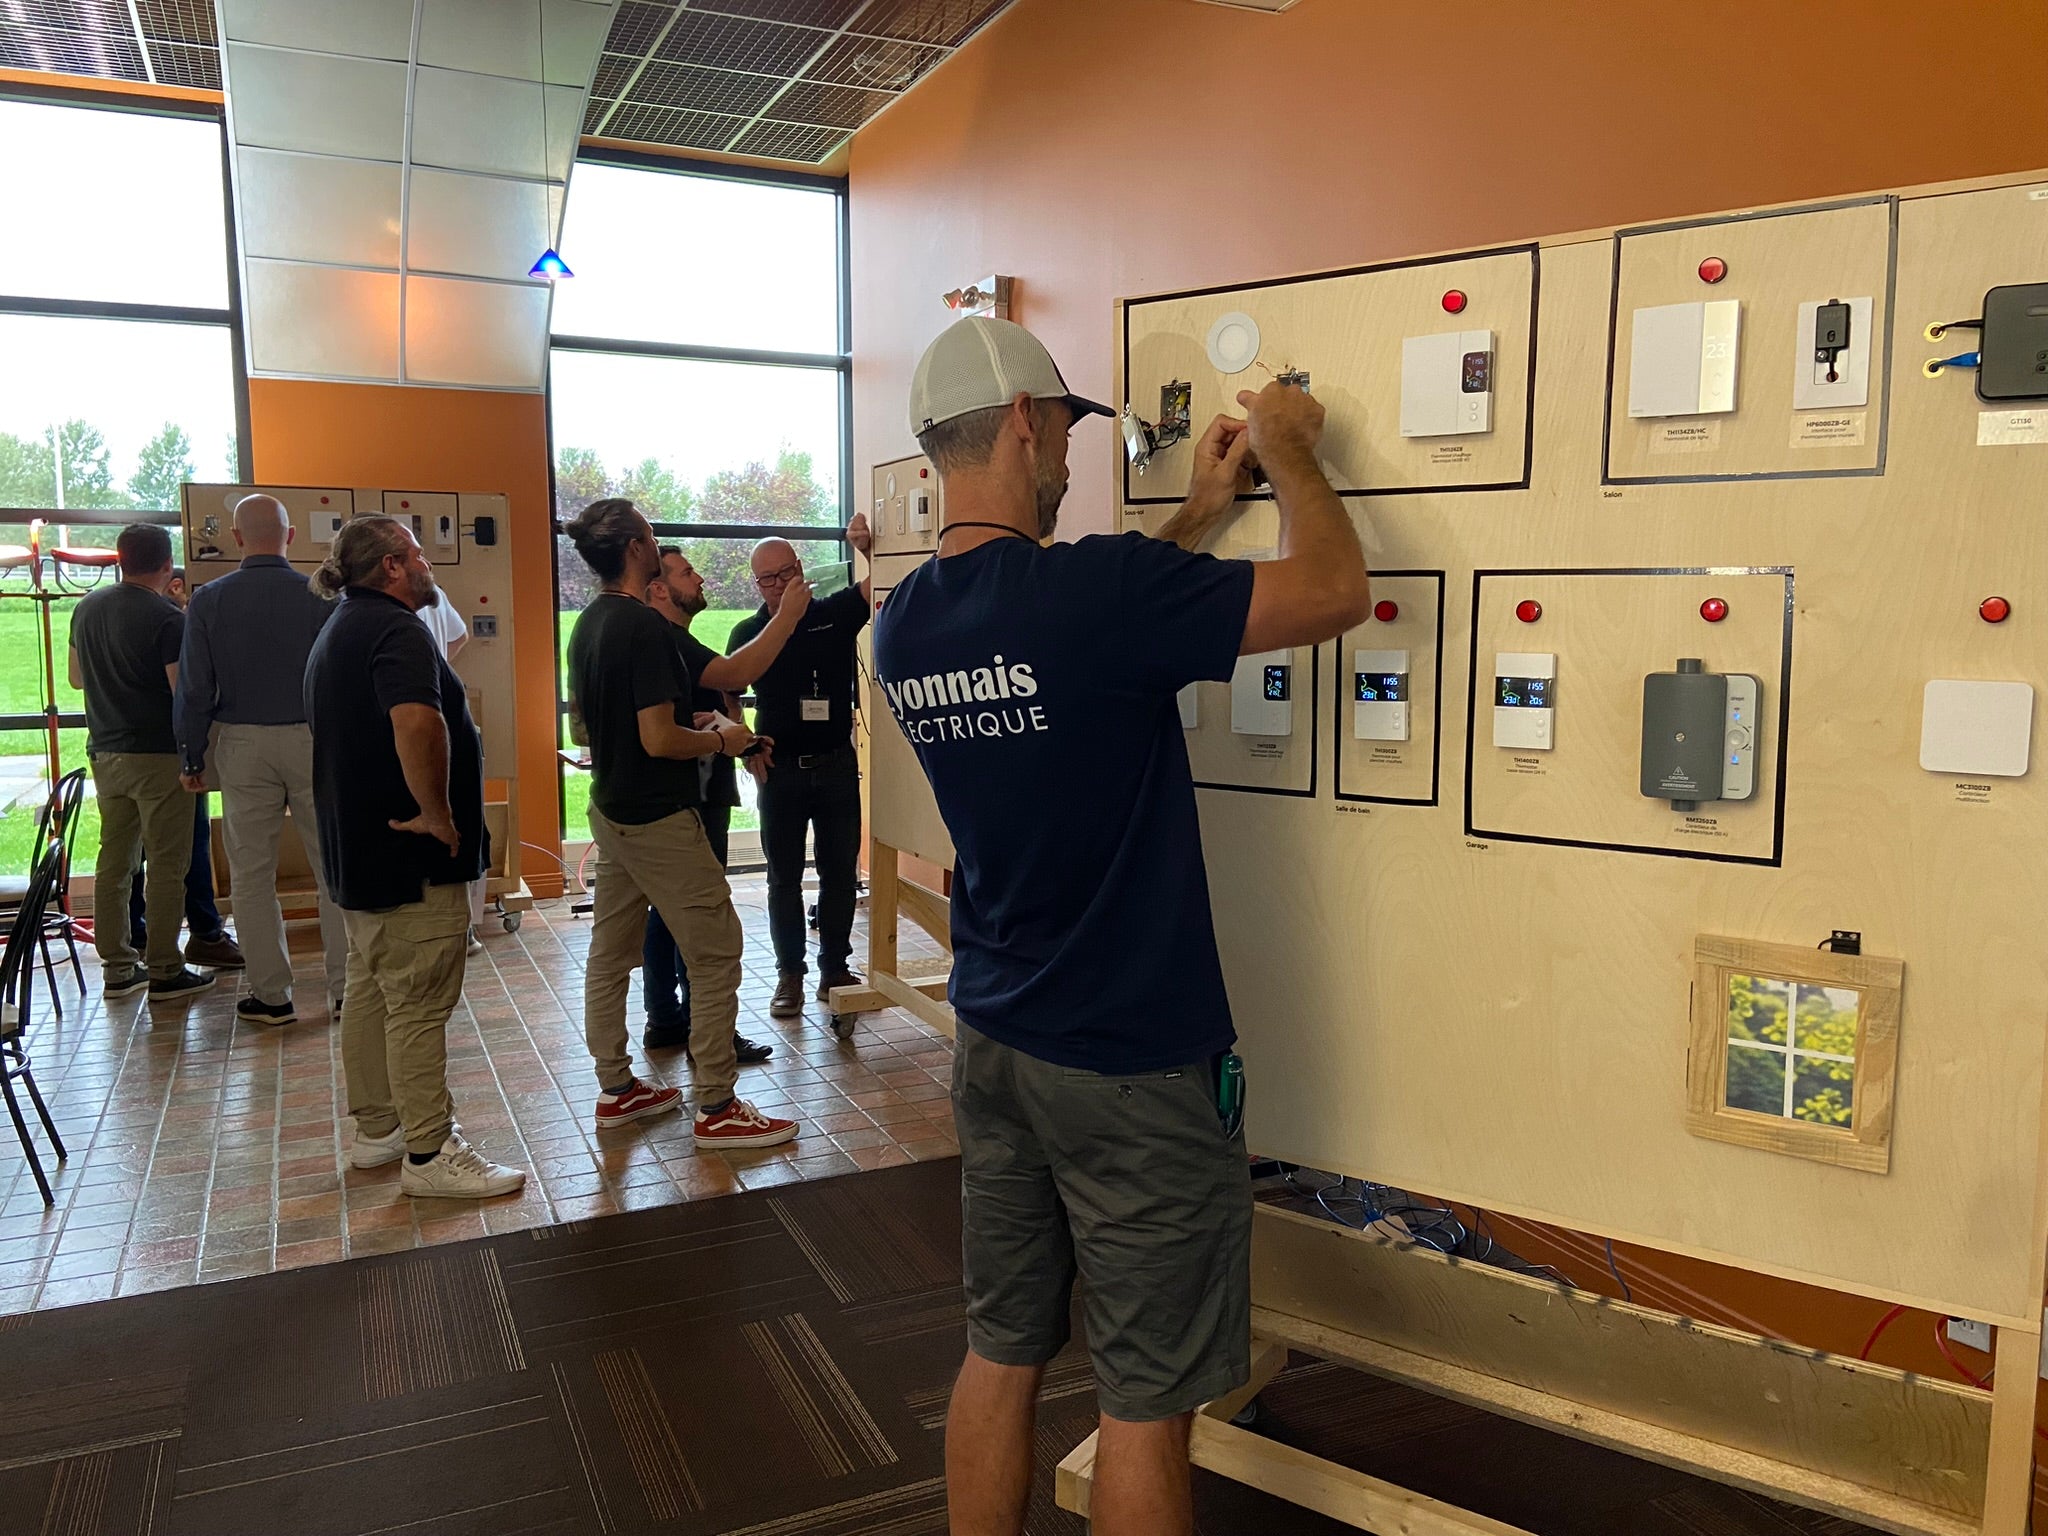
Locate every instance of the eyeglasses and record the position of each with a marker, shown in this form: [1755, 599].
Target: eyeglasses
[781, 578]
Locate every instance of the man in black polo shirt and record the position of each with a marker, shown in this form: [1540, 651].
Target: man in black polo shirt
[124, 656]
[810, 782]
[398, 787]
[678, 596]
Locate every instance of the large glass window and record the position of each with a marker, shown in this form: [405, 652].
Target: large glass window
[700, 366]
[120, 379]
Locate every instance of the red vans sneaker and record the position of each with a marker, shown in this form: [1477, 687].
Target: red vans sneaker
[739, 1124]
[640, 1100]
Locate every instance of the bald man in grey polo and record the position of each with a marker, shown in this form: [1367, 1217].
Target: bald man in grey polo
[241, 696]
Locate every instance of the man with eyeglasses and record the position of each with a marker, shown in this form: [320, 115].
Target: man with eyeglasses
[810, 780]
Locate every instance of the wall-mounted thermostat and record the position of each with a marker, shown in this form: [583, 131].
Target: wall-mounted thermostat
[1262, 694]
[1682, 359]
[1189, 702]
[1524, 700]
[1976, 728]
[1379, 684]
[1447, 384]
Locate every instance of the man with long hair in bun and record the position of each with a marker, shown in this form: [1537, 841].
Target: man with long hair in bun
[398, 786]
[629, 694]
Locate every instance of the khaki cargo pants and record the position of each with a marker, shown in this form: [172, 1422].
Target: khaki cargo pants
[405, 969]
[144, 810]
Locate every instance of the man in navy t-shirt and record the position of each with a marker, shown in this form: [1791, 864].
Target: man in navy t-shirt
[1085, 978]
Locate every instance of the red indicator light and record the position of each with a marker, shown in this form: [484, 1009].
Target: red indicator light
[1713, 269]
[1528, 610]
[1386, 610]
[323, 501]
[1714, 610]
[1994, 610]
[1454, 302]
[924, 474]
[405, 503]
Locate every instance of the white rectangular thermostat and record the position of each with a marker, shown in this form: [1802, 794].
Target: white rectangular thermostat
[1447, 384]
[1262, 694]
[1682, 359]
[1524, 700]
[1189, 702]
[1976, 728]
[1379, 686]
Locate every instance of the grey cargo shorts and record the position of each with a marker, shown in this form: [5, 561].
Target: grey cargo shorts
[1127, 1180]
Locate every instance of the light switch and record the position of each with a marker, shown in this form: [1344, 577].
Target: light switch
[1262, 694]
[1682, 359]
[1189, 701]
[1447, 384]
[326, 526]
[921, 512]
[1524, 700]
[1379, 682]
[1976, 728]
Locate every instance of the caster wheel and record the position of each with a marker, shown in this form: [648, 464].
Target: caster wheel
[512, 921]
[842, 1025]
[1248, 1415]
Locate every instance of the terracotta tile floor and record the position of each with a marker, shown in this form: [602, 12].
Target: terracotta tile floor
[202, 1149]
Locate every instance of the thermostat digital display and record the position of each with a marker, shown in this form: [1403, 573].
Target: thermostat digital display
[1276, 683]
[1524, 692]
[1382, 687]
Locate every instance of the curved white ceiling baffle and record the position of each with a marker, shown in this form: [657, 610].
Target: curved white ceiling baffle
[398, 167]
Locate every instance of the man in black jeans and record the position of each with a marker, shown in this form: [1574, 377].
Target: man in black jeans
[811, 783]
[677, 594]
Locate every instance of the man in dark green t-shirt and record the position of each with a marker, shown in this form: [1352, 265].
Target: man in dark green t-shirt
[629, 694]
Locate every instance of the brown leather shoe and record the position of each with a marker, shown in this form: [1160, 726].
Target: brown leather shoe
[788, 1000]
[221, 954]
[838, 978]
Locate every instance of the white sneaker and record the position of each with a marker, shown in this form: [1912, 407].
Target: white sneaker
[476, 945]
[459, 1172]
[377, 1151]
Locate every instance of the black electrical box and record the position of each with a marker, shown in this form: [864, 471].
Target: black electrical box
[2013, 358]
[485, 530]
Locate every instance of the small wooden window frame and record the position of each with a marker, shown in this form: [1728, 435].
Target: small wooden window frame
[1866, 1143]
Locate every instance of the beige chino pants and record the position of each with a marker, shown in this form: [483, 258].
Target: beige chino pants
[262, 769]
[405, 969]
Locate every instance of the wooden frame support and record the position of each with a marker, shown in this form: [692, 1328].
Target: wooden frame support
[2009, 1478]
[891, 898]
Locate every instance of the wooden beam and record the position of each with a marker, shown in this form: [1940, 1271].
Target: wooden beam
[901, 994]
[1268, 1360]
[2009, 1478]
[882, 903]
[929, 910]
[1075, 1478]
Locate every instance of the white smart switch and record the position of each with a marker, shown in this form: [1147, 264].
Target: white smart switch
[1682, 359]
[1976, 728]
[1447, 384]
[1379, 686]
[1190, 706]
[1524, 700]
[1262, 694]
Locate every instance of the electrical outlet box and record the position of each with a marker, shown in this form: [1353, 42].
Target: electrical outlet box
[1379, 681]
[1447, 384]
[1524, 700]
[1189, 702]
[484, 626]
[1262, 694]
[1976, 728]
[1835, 335]
[1683, 359]
[1963, 1330]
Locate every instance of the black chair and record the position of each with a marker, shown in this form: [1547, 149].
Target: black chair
[17, 991]
[56, 828]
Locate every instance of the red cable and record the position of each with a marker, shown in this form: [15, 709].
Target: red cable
[1941, 1343]
[1882, 1323]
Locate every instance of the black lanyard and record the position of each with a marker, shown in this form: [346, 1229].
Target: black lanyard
[999, 527]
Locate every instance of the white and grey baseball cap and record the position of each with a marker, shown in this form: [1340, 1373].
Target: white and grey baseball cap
[979, 363]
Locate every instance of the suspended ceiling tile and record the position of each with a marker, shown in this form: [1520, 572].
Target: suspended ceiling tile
[811, 13]
[371, 29]
[490, 37]
[877, 64]
[491, 335]
[572, 34]
[704, 90]
[613, 71]
[563, 106]
[947, 23]
[636, 26]
[318, 207]
[727, 42]
[326, 322]
[179, 21]
[110, 55]
[671, 125]
[316, 101]
[468, 122]
[791, 141]
[829, 106]
[186, 64]
[481, 226]
[594, 114]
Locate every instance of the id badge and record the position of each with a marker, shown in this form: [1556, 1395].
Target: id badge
[817, 709]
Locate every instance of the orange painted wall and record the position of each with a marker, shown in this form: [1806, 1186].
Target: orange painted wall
[1102, 148]
[451, 440]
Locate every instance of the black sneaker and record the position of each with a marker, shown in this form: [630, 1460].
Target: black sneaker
[665, 1034]
[187, 983]
[125, 983]
[256, 1011]
[749, 1053]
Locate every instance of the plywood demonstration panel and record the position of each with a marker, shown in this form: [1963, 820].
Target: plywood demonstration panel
[1487, 998]
[905, 516]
